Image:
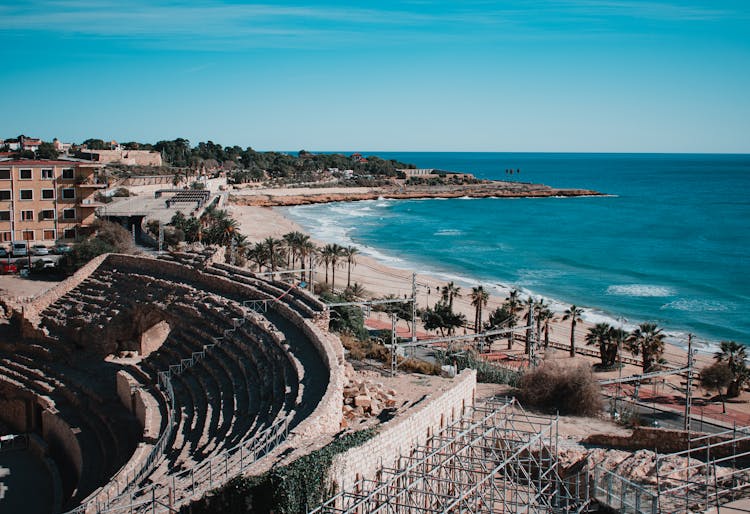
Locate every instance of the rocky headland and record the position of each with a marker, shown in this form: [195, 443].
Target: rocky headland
[290, 197]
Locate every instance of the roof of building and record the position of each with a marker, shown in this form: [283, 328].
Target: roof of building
[41, 162]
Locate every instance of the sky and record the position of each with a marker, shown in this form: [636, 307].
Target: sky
[477, 75]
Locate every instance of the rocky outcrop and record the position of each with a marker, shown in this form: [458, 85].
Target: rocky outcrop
[487, 190]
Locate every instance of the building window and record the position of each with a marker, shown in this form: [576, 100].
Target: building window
[27, 215]
[7, 236]
[4, 194]
[69, 193]
[48, 214]
[26, 174]
[4, 215]
[48, 194]
[69, 233]
[4, 174]
[27, 235]
[69, 214]
[27, 194]
[49, 235]
[68, 173]
[48, 174]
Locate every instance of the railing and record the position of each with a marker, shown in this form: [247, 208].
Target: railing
[14, 442]
[197, 480]
[622, 494]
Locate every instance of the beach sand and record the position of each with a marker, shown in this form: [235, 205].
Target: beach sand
[380, 280]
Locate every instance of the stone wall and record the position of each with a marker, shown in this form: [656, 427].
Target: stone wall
[402, 434]
[663, 441]
[31, 309]
[64, 449]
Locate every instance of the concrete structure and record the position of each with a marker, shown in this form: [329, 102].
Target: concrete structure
[218, 386]
[120, 156]
[43, 201]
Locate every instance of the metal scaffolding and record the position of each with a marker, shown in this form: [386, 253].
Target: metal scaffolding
[494, 458]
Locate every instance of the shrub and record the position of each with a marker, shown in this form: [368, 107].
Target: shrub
[568, 390]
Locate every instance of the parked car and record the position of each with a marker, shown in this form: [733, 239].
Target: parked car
[45, 263]
[19, 249]
[7, 268]
[3, 253]
[62, 249]
[39, 250]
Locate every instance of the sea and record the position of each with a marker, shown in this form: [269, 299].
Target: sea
[668, 243]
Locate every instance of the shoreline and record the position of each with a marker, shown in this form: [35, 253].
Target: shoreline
[288, 197]
[379, 279]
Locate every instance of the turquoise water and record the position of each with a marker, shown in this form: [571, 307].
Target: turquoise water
[670, 245]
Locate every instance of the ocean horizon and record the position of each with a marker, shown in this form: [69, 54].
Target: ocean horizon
[667, 244]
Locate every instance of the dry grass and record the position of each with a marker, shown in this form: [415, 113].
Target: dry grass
[567, 390]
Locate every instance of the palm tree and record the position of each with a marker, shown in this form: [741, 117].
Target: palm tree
[336, 254]
[350, 252]
[259, 255]
[306, 248]
[734, 355]
[601, 335]
[326, 254]
[449, 292]
[647, 340]
[573, 314]
[289, 240]
[512, 306]
[479, 298]
[355, 291]
[273, 246]
[545, 317]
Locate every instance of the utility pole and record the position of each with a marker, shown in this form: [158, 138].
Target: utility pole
[530, 335]
[413, 307]
[689, 385]
[394, 357]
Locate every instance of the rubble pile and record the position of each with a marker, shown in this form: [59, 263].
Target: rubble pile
[364, 398]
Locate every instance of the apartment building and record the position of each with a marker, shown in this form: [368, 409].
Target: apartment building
[45, 201]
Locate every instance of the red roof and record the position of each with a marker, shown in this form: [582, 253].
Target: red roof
[39, 162]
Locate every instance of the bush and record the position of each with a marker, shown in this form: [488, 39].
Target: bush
[487, 373]
[567, 390]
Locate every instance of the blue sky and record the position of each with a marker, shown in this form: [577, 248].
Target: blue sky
[548, 75]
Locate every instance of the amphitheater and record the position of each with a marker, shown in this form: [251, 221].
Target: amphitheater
[142, 385]
[213, 381]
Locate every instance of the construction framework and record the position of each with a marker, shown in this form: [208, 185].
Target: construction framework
[495, 457]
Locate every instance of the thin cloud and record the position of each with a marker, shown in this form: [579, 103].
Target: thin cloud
[227, 27]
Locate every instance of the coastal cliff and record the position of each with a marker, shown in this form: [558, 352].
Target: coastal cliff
[287, 197]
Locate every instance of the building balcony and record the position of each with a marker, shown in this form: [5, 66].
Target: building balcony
[90, 203]
[91, 183]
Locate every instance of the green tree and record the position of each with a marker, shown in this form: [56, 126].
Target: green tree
[602, 335]
[479, 298]
[442, 318]
[274, 249]
[735, 356]
[47, 151]
[512, 305]
[717, 376]
[648, 341]
[573, 314]
[350, 252]
[449, 292]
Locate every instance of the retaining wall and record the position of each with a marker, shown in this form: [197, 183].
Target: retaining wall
[665, 441]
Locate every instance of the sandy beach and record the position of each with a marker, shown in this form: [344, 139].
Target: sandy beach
[379, 280]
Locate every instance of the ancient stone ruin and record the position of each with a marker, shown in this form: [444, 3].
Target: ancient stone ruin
[151, 380]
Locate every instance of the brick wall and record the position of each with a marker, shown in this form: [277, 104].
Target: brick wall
[402, 434]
